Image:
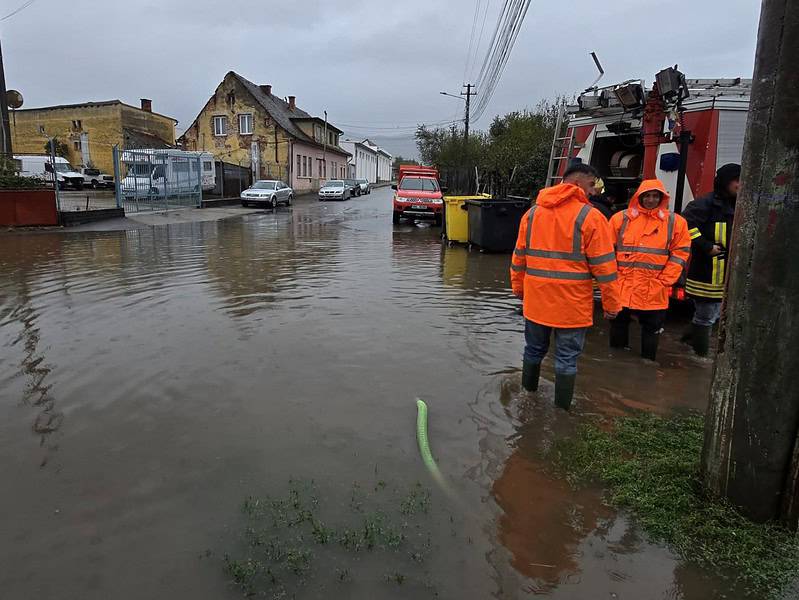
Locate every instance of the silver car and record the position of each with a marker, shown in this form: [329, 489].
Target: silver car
[268, 192]
[335, 189]
[365, 187]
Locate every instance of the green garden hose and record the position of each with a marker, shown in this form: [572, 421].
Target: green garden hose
[424, 445]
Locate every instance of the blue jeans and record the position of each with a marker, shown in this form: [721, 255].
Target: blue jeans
[706, 312]
[568, 345]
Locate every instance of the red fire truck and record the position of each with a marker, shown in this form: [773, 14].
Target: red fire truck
[679, 130]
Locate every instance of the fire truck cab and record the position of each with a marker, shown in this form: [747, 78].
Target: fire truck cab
[679, 130]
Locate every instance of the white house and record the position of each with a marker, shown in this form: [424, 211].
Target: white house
[384, 165]
[363, 159]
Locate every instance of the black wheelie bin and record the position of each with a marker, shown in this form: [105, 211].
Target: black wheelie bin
[494, 224]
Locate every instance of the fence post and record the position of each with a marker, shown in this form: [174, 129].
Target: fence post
[117, 172]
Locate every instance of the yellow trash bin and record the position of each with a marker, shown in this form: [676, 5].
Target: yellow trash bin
[457, 217]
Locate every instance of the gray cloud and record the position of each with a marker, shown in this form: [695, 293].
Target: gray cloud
[370, 64]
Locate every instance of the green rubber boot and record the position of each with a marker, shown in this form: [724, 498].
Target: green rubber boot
[564, 390]
[700, 339]
[530, 374]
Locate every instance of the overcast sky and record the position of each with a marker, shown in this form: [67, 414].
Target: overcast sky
[376, 66]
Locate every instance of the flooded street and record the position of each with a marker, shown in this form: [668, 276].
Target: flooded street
[152, 379]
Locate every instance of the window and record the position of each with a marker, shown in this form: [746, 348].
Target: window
[208, 165]
[299, 165]
[419, 184]
[310, 167]
[220, 125]
[245, 124]
[77, 125]
[305, 166]
[76, 144]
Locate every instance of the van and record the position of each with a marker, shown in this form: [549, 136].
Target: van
[96, 179]
[158, 173]
[41, 167]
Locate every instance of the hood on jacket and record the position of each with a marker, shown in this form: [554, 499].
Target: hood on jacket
[648, 185]
[559, 194]
[724, 176]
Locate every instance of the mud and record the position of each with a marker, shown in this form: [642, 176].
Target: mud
[152, 379]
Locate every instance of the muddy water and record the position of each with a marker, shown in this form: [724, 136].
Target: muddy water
[151, 379]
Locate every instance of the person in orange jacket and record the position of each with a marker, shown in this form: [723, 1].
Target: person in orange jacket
[652, 249]
[564, 243]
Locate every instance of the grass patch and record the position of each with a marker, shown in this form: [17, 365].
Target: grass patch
[294, 541]
[650, 466]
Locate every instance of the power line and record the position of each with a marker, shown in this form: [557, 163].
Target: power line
[18, 10]
[471, 38]
[479, 41]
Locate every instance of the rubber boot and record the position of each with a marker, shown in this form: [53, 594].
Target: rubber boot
[564, 390]
[530, 374]
[700, 339]
[619, 335]
[649, 345]
[688, 335]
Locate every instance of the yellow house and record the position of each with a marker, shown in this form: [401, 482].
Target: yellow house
[246, 124]
[91, 130]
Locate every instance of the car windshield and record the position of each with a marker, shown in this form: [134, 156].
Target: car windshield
[419, 184]
[334, 184]
[264, 185]
[63, 167]
[139, 170]
[362, 181]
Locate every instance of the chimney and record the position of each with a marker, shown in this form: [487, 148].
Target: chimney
[266, 89]
[147, 105]
[292, 102]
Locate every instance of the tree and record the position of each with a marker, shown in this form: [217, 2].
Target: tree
[61, 148]
[399, 160]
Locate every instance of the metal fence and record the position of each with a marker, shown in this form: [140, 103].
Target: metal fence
[157, 180]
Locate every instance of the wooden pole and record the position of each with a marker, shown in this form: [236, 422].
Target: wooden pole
[751, 452]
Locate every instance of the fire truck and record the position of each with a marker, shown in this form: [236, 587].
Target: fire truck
[679, 131]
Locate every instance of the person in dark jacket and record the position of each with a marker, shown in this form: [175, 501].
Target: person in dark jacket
[600, 200]
[710, 227]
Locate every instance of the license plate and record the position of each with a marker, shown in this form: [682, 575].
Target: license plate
[419, 207]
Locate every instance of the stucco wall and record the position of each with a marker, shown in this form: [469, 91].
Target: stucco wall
[231, 99]
[311, 181]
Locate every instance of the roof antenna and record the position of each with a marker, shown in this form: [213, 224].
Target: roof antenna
[601, 72]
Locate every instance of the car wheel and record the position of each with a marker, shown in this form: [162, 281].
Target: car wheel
[273, 203]
[396, 217]
[244, 205]
[94, 184]
[289, 200]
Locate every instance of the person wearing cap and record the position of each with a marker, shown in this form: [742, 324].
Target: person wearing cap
[710, 221]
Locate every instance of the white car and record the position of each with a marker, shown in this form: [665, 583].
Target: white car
[269, 192]
[95, 179]
[335, 189]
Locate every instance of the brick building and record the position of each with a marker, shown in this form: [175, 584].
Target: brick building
[91, 130]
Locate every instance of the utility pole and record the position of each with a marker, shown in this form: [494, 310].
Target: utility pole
[5, 135]
[468, 93]
[324, 150]
[751, 451]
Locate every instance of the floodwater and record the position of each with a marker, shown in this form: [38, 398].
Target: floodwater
[152, 379]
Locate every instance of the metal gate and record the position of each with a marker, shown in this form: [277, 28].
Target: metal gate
[157, 180]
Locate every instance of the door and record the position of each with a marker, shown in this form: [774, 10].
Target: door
[284, 191]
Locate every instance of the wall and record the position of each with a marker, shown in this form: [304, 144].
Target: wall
[308, 180]
[231, 99]
[150, 123]
[102, 123]
[20, 208]
[384, 167]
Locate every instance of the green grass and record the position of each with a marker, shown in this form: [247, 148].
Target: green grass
[286, 539]
[650, 466]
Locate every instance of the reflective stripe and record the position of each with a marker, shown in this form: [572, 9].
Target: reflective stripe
[519, 252]
[577, 236]
[620, 242]
[601, 260]
[683, 249]
[572, 275]
[517, 267]
[695, 233]
[606, 278]
[620, 247]
[644, 250]
[670, 231]
[677, 259]
[554, 254]
[704, 285]
[640, 265]
[530, 226]
[577, 241]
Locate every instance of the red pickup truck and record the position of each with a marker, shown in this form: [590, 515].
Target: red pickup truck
[418, 194]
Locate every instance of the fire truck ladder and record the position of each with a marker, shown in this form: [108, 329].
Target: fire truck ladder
[562, 146]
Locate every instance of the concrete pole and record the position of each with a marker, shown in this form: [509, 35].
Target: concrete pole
[5, 130]
[751, 452]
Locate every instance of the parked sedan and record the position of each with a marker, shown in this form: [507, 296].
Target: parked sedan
[365, 187]
[267, 192]
[355, 187]
[335, 189]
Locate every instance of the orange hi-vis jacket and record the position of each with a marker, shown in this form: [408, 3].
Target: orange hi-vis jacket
[652, 248]
[563, 244]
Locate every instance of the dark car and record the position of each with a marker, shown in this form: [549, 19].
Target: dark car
[355, 187]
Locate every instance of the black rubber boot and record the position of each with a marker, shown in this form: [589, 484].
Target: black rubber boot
[688, 335]
[700, 339]
[649, 345]
[619, 335]
[530, 374]
[564, 390]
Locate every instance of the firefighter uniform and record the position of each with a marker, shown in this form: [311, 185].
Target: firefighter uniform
[563, 245]
[652, 249]
[710, 221]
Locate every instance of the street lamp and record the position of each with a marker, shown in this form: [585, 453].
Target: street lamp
[452, 96]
